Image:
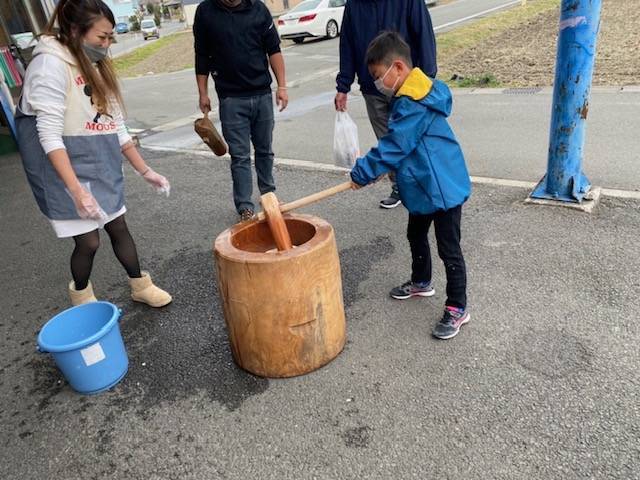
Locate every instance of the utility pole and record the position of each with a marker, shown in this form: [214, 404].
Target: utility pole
[579, 26]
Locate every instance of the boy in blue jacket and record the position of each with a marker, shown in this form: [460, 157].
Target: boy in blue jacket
[431, 174]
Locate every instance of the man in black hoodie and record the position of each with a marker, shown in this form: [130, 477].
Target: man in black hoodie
[363, 20]
[235, 42]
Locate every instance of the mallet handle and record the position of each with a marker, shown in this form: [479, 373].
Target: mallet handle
[308, 200]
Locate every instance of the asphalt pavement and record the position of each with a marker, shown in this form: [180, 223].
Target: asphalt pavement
[542, 383]
[504, 133]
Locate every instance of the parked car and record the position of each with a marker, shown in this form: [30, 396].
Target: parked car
[149, 29]
[312, 19]
[122, 27]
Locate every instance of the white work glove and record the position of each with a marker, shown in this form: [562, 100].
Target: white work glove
[87, 206]
[157, 181]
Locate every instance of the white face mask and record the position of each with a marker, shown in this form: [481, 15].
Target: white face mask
[382, 88]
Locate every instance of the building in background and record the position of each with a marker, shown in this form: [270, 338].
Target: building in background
[278, 7]
[20, 22]
[21, 18]
[175, 9]
[190, 7]
[122, 9]
[171, 9]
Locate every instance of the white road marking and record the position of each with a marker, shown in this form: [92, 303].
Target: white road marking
[476, 15]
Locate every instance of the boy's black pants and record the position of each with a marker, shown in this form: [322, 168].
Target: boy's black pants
[447, 230]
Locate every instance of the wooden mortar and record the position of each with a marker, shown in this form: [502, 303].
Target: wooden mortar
[284, 310]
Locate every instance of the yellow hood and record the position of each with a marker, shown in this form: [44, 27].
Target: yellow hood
[416, 86]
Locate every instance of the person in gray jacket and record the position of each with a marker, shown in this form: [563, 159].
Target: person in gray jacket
[363, 20]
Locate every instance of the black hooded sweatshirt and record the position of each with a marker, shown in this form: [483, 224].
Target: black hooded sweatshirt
[234, 45]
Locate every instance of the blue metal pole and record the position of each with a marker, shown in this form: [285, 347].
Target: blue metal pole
[579, 25]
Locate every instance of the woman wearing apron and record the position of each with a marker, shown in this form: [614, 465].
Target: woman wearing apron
[72, 139]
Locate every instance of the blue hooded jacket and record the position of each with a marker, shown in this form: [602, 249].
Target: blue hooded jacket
[364, 19]
[421, 148]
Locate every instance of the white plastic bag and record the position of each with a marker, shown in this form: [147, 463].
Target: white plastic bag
[346, 147]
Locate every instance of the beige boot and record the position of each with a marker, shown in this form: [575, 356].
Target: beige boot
[143, 290]
[79, 297]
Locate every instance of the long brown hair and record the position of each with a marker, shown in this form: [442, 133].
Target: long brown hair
[71, 20]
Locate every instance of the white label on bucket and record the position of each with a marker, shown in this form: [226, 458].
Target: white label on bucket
[93, 354]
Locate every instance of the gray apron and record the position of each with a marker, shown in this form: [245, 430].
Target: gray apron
[96, 161]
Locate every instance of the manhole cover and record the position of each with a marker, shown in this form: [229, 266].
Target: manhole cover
[522, 91]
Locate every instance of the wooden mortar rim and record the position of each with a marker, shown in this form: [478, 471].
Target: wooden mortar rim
[223, 246]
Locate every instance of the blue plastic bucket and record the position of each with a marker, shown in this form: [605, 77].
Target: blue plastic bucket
[86, 344]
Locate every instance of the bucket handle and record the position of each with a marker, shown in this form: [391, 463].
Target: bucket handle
[40, 350]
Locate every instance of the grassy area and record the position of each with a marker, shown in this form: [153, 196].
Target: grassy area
[130, 63]
[450, 43]
[485, 81]
[460, 39]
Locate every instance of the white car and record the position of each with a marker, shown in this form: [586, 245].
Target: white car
[149, 29]
[312, 18]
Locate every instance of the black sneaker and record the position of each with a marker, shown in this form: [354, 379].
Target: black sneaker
[246, 215]
[410, 289]
[392, 201]
[449, 326]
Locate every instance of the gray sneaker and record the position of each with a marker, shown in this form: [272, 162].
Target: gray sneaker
[449, 326]
[410, 289]
[392, 201]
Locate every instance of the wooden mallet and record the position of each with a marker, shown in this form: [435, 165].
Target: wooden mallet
[273, 210]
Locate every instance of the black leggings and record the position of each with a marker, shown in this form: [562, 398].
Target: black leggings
[87, 245]
[447, 227]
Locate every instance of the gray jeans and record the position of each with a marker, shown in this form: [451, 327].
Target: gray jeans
[247, 120]
[378, 109]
